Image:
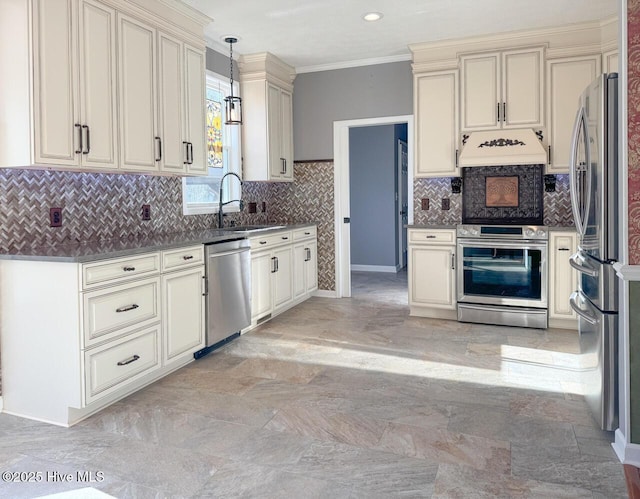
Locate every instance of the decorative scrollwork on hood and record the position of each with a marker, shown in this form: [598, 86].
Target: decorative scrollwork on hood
[502, 143]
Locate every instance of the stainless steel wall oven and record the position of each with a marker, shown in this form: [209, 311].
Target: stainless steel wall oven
[502, 275]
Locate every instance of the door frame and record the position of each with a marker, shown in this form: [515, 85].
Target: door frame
[402, 262]
[341, 191]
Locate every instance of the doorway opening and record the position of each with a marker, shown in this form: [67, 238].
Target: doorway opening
[373, 196]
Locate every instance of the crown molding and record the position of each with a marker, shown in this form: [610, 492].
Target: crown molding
[187, 11]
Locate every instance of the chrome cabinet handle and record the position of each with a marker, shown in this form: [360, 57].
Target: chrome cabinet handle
[457, 152]
[86, 128]
[129, 360]
[549, 158]
[190, 150]
[128, 269]
[273, 265]
[283, 166]
[504, 112]
[453, 261]
[498, 107]
[277, 264]
[187, 257]
[79, 130]
[186, 152]
[128, 308]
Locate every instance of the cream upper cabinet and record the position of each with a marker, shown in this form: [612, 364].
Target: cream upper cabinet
[139, 141]
[194, 107]
[180, 107]
[563, 279]
[502, 89]
[267, 132]
[74, 45]
[435, 109]
[566, 80]
[610, 61]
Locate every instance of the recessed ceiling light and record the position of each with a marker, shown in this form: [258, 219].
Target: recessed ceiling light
[372, 16]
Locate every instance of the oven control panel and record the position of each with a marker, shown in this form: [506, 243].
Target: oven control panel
[535, 232]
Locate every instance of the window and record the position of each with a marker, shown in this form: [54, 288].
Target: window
[200, 194]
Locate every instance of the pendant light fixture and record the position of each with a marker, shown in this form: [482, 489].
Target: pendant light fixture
[233, 104]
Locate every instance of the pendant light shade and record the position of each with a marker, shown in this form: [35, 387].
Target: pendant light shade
[232, 104]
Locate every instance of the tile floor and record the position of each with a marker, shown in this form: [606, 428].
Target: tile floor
[343, 399]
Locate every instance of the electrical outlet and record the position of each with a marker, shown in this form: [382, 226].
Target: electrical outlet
[146, 212]
[425, 204]
[55, 217]
[252, 207]
[446, 204]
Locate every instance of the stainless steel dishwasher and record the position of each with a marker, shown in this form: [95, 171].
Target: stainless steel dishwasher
[228, 292]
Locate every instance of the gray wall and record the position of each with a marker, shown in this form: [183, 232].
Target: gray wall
[321, 98]
[219, 63]
[372, 191]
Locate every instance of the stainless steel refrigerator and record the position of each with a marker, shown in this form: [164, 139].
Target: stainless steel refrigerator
[594, 198]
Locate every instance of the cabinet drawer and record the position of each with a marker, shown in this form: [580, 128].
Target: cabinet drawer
[116, 310]
[182, 257]
[306, 233]
[258, 243]
[121, 269]
[112, 366]
[432, 236]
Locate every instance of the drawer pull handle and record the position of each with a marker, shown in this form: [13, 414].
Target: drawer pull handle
[431, 237]
[127, 308]
[129, 269]
[307, 233]
[129, 360]
[263, 242]
[284, 238]
[187, 257]
[563, 249]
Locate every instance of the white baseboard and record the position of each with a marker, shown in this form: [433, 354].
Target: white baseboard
[628, 453]
[374, 268]
[325, 293]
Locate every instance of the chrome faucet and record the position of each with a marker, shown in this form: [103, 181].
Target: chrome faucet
[221, 204]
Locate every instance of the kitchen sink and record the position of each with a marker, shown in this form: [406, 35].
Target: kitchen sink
[253, 228]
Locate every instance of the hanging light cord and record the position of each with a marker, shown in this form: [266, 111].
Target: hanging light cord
[231, 64]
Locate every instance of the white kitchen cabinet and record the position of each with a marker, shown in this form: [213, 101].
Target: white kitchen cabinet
[436, 132]
[267, 132]
[183, 313]
[139, 141]
[181, 145]
[566, 80]
[261, 301]
[74, 54]
[563, 279]
[432, 274]
[502, 89]
[305, 268]
[283, 276]
[104, 329]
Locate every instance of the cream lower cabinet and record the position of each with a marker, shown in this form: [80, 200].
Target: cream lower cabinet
[283, 271]
[89, 334]
[432, 289]
[563, 279]
[566, 80]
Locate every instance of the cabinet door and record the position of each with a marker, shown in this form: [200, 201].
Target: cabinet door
[286, 133]
[523, 84]
[566, 80]
[170, 104]
[311, 266]
[480, 91]
[563, 279]
[261, 269]
[183, 313]
[97, 50]
[56, 113]
[299, 270]
[195, 109]
[283, 277]
[436, 133]
[139, 150]
[276, 161]
[432, 276]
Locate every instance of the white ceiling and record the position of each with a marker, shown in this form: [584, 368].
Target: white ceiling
[323, 34]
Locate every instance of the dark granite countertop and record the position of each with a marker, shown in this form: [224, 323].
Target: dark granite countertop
[114, 248]
[429, 226]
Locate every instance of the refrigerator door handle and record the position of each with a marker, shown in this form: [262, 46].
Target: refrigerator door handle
[573, 301]
[579, 263]
[574, 175]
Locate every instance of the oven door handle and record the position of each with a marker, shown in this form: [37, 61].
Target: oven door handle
[581, 264]
[525, 244]
[573, 301]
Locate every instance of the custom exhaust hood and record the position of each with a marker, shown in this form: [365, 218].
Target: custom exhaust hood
[502, 147]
